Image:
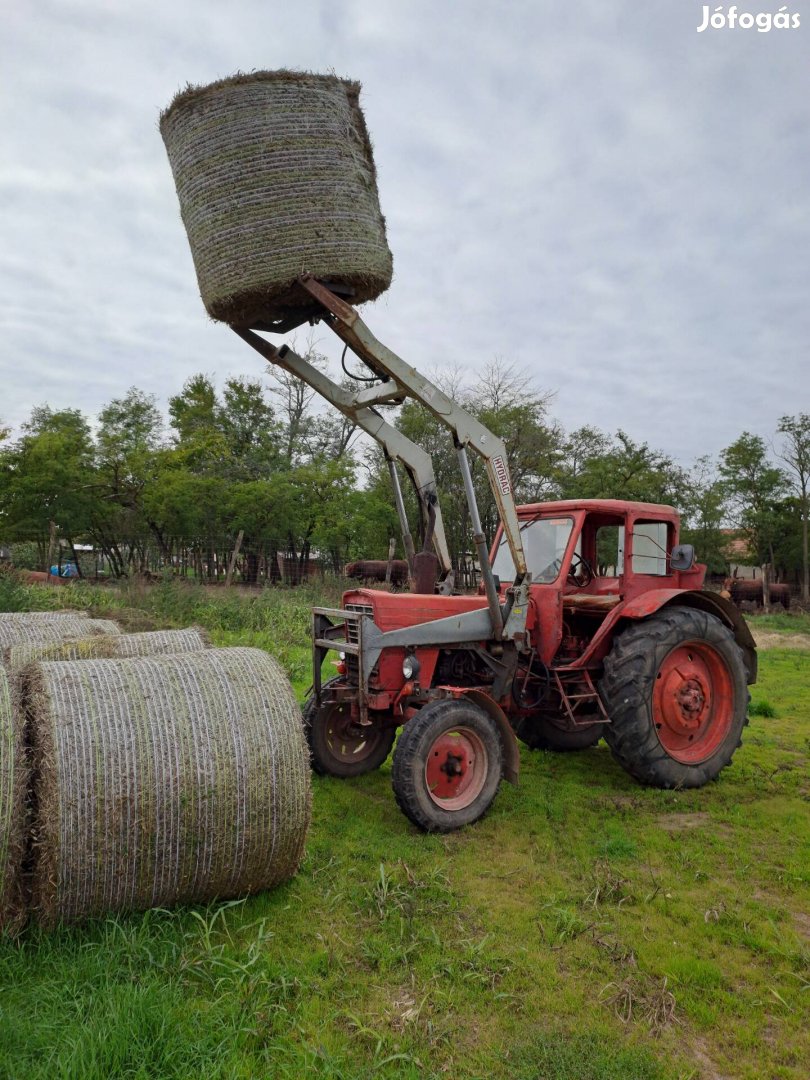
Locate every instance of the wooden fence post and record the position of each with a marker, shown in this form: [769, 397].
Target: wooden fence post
[392, 547]
[234, 553]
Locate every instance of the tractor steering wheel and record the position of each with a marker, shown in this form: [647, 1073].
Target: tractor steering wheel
[580, 573]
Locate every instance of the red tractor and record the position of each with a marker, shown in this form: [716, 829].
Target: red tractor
[590, 622]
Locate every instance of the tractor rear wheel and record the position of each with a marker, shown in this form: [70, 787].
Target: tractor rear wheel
[541, 733]
[447, 766]
[676, 692]
[339, 745]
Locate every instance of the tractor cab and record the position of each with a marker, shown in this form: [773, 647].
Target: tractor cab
[586, 558]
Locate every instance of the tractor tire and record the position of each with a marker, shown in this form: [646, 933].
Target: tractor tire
[676, 692]
[447, 766]
[340, 747]
[540, 733]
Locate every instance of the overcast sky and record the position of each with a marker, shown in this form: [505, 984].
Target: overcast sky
[594, 191]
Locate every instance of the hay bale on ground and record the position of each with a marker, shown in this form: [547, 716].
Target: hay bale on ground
[275, 177]
[40, 616]
[38, 631]
[163, 780]
[13, 787]
[108, 646]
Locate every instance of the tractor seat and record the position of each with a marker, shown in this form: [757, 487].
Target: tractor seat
[590, 601]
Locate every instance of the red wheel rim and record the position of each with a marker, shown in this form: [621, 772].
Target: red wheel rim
[456, 768]
[348, 741]
[693, 702]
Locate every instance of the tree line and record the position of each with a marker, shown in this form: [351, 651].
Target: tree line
[257, 461]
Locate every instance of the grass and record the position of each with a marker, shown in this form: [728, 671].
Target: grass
[587, 928]
[795, 622]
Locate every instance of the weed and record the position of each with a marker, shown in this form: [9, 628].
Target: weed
[607, 887]
[641, 999]
[761, 708]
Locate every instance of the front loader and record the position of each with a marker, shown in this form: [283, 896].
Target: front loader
[590, 622]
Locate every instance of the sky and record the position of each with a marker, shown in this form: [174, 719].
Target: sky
[609, 200]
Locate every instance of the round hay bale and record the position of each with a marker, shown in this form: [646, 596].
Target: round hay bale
[38, 631]
[42, 616]
[275, 177]
[109, 646]
[13, 788]
[163, 780]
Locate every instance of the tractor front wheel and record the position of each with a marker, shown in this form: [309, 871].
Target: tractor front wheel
[339, 745]
[447, 766]
[676, 692]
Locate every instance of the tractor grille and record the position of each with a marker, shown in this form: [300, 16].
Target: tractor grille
[352, 628]
[353, 638]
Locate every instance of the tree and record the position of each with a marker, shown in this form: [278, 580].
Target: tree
[48, 476]
[795, 453]
[129, 434]
[249, 426]
[624, 469]
[703, 514]
[194, 409]
[754, 488]
[579, 447]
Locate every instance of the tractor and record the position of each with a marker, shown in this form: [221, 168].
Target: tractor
[590, 622]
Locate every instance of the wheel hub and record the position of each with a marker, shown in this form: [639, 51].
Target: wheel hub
[691, 698]
[692, 702]
[347, 740]
[456, 768]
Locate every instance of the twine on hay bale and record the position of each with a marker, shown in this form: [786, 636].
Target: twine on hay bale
[163, 780]
[42, 616]
[38, 631]
[13, 788]
[109, 646]
[275, 176]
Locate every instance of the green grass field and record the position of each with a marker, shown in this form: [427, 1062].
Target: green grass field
[587, 928]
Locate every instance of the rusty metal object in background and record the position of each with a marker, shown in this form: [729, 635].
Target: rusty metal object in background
[375, 570]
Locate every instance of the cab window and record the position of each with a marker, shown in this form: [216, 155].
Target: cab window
[609, 551]
[544, 542]
[650, 548]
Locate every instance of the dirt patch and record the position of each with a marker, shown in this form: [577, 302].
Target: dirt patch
[132, 620]
[802, 923]
[676, 822]
[770, 639]
[708, 1069]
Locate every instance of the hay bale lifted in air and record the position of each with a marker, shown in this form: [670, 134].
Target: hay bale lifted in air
[275, 177]
[39, 631]
[107, 646]
[13, 785]
[164, 780]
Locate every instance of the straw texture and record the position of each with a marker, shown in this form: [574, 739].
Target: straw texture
[275, 177]
[13, 785]
[14, 631]
[109, 646]
[164, 780]
[41, 616]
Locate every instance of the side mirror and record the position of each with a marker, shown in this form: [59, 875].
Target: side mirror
[682, 557]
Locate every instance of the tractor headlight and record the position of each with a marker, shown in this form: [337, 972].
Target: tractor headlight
[410, 667]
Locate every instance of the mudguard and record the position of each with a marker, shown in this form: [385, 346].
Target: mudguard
[511, 750]
[725, 610]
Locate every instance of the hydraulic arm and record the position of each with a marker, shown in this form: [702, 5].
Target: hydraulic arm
[396, 382]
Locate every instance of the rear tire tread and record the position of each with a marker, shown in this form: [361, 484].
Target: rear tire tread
[626, 690]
